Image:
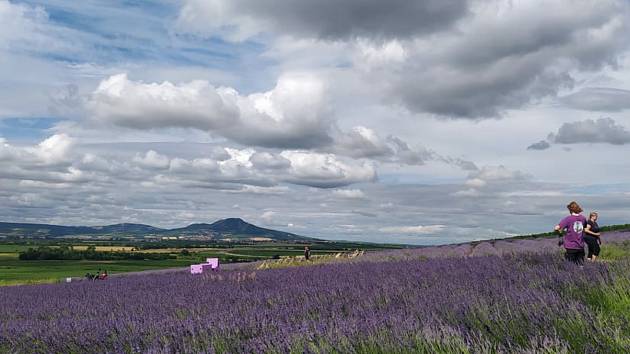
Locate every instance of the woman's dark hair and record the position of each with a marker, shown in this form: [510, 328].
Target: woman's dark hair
[574, 207]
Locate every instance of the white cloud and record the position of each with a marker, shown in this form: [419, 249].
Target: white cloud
[470, 192]
[268, 216]
[363, 142]
[488, 179]
[534, 193]
[380, 55]
[326, 170]
[501, 57]
[152, 159]
[420, 229]
[498, 173]
[27, 28]
[603, 130]
[349, 193]
[56, 149]
[598, 99]
[293, 114]
[475, 183]
[275, 190]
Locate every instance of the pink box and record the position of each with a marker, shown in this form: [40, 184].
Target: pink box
[213, 262]
[206, 266]
[196, 269]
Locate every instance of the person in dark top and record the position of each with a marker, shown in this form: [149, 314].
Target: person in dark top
[573, 239]
[592, 237]
[307, 253]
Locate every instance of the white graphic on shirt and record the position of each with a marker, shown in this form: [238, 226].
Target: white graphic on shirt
[578, 227]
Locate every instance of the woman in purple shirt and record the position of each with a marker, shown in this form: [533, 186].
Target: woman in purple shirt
[573, 239]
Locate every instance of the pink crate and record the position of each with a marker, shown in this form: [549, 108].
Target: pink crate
[206, 266]
[213, 262]
[196, 269]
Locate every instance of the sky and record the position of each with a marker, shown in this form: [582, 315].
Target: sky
[416, 122]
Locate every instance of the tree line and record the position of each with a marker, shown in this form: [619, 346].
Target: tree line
[68, 253]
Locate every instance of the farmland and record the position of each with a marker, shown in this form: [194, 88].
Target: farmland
[449, 299]
[14, 271]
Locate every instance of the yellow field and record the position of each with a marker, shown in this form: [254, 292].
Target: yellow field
[105, 248]
[6, 255]
[177, 250]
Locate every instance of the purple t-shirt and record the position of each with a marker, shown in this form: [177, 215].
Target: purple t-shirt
[574, 236]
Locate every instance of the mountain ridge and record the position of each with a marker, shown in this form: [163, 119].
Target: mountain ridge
[223, 229]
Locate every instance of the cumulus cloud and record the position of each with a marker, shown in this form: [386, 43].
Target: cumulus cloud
[296, 114]
[268, 161]
[504, 56]
[26, 28]
[349, 193]
[603, 130]
[293, 114]
[470, 192]
[257, 172]
[420, 229]
[476, 183]
[60, 160]
[54, 149]
[598, 99]
[51, 151]
[326, 170]
[324, 19]
[541, 145]
[363, 142]
[152, 159]
[488, 57]
[487, 179]
[52, 161]
[498, 173]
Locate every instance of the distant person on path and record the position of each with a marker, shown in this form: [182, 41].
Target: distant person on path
[592, 237]
[307, 253]
[573, 239]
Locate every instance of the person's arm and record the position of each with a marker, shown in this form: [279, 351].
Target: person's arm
[559, 229]
[561, 226]
[588, 231]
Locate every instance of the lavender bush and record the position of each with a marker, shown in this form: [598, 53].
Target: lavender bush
[532, 303]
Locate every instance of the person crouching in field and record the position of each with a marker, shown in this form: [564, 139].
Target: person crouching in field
[573, 239]
[592, 237]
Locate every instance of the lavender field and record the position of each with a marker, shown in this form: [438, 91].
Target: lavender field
[395, 302]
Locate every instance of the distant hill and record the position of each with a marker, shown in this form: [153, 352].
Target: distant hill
[231, 228]
[128, 228]
[235, 228]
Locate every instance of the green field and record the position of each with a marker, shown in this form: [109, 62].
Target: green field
[14, 271]
[11, 248]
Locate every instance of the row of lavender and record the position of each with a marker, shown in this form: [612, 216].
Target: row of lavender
[501, 247]
[481, 304]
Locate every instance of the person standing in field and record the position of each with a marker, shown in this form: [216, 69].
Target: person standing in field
[592, 237]
[573, 228]
[307, 253]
